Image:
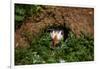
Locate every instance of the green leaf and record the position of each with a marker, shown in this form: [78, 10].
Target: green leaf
[19, 18]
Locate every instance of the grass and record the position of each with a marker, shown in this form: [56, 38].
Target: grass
[72, 50]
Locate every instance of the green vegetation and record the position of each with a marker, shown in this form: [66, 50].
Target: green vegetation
[23, 11]
[72, 50]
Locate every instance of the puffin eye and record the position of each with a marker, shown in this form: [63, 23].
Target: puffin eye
[62, 33]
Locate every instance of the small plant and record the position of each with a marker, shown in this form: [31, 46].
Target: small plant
[73, 49]
[23, 11]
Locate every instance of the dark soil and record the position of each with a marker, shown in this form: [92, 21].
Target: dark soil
[78, 20]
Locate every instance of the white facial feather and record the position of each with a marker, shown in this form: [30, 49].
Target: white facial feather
[52, 34]
[60, 36]
[56, 33]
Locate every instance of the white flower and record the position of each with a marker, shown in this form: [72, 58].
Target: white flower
[62, 61]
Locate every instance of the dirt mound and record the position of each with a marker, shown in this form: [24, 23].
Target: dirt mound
[78, 20]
